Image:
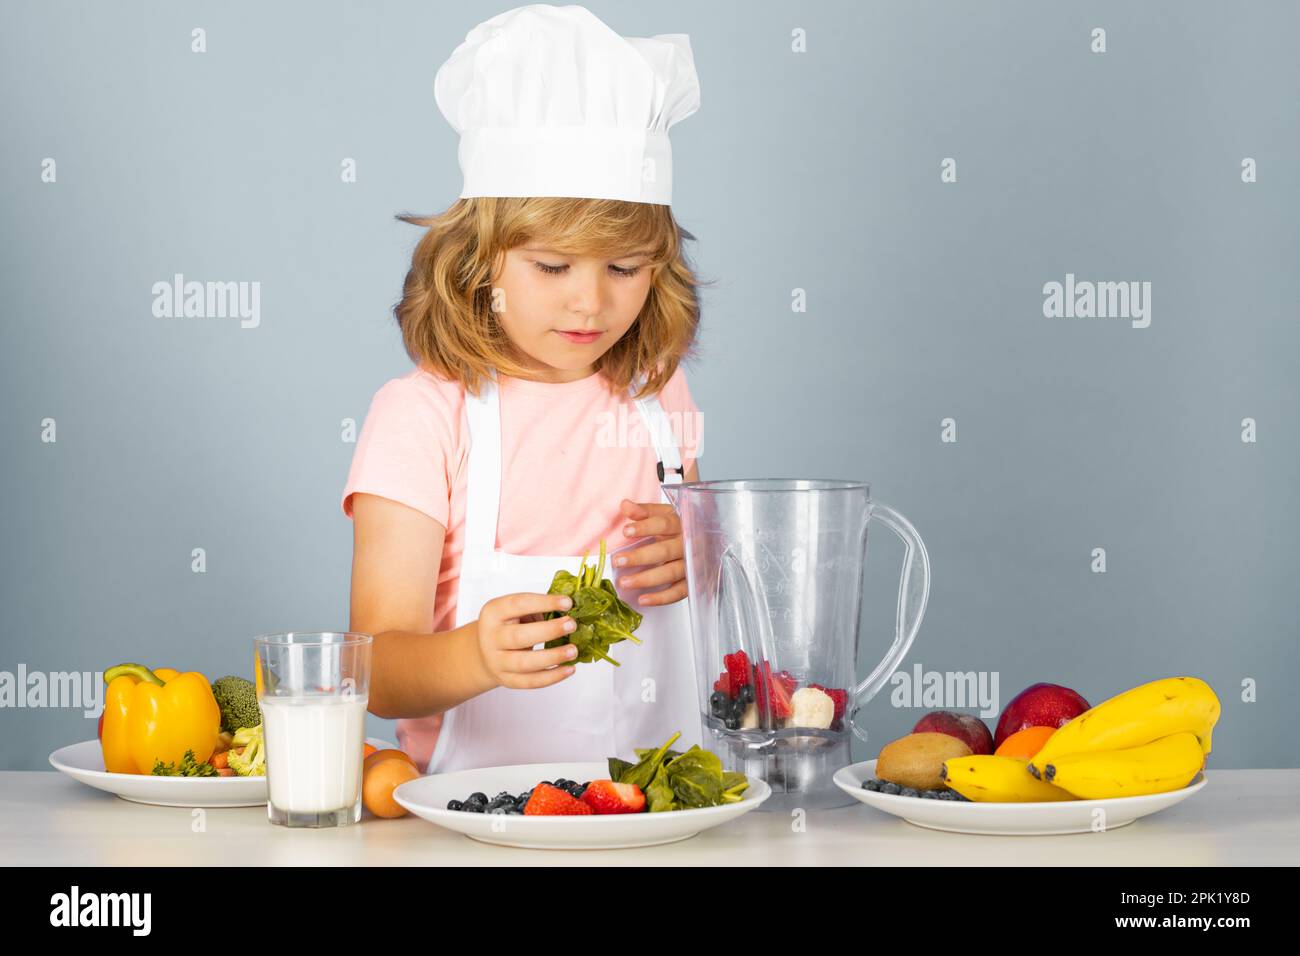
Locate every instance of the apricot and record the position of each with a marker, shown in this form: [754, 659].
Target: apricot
[378, 782]
[379, 756]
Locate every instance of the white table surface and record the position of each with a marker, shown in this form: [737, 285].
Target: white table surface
[1242, 817]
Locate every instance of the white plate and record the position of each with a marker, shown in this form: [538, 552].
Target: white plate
[427, 798]
[85, 762]
[1010, 819]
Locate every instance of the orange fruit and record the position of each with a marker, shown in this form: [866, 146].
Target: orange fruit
[1025, 743]
[379, 756]
[378, 783]
[370, 748]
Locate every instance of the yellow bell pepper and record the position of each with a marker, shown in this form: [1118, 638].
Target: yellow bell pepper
[112, 738]
[148, 718]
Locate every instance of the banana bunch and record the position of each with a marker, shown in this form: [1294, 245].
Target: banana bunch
[1166, 764]
[1151, 739]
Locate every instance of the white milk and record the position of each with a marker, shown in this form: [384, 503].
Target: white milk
[314, 749]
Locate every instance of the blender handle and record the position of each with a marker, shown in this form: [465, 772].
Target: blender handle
[913, 594]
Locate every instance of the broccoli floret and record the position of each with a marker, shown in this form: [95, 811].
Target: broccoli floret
[189, 767]
[237, 698]
[246, 735]
[251, 762]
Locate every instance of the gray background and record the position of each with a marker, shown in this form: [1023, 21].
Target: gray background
[817, 171]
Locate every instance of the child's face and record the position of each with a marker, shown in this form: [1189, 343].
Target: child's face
[540, 295]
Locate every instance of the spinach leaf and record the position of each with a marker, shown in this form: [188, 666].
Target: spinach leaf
[603, 617]
[734, 786]
[672, 780]
[643, 772]
[696, 778]
[669, 755]
[590, 604]
[659, 795]
[628, 616]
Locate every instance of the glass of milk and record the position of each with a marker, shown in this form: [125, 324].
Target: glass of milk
[313, 688]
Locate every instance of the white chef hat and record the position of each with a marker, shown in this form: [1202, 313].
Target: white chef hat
[549, 101]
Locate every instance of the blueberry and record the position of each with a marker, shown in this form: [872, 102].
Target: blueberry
[455, 805]
[731, 723]
[477, 797]
[872, 784]
[747, 693]
[928, 795]
[909, 792]
[717, 703]
[890, 788]
[473, 808]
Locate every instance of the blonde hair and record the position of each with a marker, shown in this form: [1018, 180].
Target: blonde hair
[445, 313]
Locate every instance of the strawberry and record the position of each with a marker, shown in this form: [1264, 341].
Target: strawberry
[775, 688]
[548, 801]
[606, 796]
[737, 665]
[841, 698]
[723, 683]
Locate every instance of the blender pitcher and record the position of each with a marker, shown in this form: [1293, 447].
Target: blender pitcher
[774, 572]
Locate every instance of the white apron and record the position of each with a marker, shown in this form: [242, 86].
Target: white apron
[602, 710]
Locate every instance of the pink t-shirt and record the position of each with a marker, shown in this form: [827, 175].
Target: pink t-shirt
[570, 452]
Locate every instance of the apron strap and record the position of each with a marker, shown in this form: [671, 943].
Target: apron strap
[483, 477]
[669, 467]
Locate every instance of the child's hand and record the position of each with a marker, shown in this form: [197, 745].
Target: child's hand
[667, 553]
[508, 627]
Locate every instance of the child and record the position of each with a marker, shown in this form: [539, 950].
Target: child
[547, 312]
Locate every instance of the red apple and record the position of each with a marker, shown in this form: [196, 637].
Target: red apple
[967, 728]
[1039, 705]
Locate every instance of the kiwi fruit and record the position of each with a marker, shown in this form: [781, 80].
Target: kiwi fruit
[917, 759]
